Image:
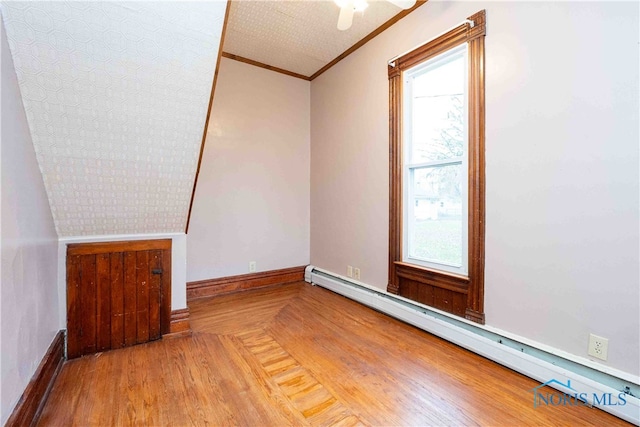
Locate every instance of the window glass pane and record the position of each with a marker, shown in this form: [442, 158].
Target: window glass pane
[436, 217]
[438, 110]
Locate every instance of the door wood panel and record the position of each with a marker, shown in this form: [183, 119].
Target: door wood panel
[117, 297]
[129, 298]
[142, 296]
[155, 294]
[73, 287]
[103, 301]
[87, 304]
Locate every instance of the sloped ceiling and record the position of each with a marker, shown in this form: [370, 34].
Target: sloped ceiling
[298, 36]
[116, 96]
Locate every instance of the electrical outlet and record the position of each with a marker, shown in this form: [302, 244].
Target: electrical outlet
[349, 271]
[356, 273]
[598, 347]
[252, 266]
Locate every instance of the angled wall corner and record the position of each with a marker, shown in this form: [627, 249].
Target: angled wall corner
[116, 97]
[252, 198]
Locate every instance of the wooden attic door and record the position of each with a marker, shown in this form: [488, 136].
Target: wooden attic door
[118, 294]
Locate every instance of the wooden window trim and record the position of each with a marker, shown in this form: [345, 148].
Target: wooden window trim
[470, 288]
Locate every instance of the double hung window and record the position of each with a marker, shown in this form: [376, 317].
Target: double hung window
[436, 172]
[435, 226]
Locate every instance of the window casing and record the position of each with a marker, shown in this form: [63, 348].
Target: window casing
[436, 173]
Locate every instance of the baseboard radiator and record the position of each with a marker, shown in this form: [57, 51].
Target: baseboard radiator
[523, 358]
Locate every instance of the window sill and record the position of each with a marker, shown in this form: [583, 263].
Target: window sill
[441, 279]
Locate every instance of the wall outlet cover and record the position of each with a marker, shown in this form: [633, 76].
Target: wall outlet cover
[598, 347]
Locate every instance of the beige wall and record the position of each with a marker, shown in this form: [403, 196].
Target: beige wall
[28, 246]
[252, 199]
[562, 245]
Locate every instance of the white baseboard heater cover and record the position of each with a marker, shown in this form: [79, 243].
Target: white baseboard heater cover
[523, 358]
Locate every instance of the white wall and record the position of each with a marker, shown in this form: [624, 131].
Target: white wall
[178, 265]
[28, 246]
[562, 215]
[252, 198]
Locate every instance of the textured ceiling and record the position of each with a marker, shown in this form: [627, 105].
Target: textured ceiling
[116, 96]
[298, 36]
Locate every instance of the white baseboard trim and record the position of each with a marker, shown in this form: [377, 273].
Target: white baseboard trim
[526, 364]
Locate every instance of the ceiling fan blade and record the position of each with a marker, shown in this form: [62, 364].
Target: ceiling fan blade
[346, 17]
[403, 4]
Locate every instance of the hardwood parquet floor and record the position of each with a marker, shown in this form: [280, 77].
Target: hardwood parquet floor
[298, 355]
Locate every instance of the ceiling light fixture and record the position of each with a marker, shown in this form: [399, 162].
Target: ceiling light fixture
[348, 7]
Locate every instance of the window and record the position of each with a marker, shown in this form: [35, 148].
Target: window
[436, 235]
[435, 162]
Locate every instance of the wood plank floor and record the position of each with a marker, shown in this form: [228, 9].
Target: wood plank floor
[298, 355]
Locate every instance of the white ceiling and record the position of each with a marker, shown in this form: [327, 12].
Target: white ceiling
[116, 96]
[298, 36]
